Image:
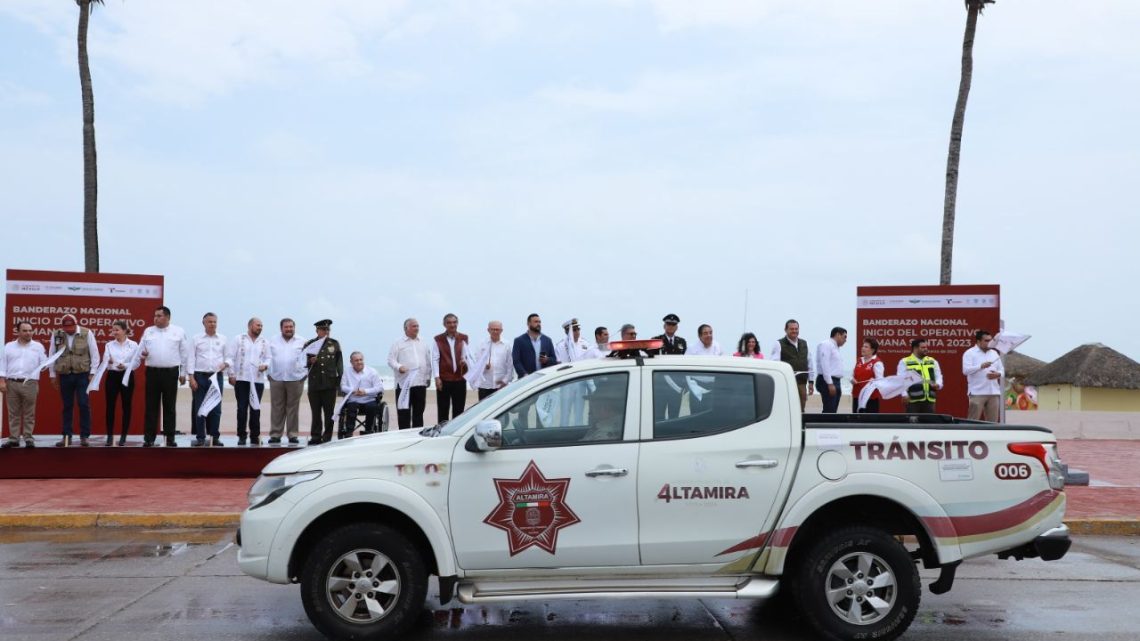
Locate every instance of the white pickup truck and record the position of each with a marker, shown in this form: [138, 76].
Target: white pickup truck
[668, 477]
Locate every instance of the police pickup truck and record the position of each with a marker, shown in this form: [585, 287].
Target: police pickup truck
[669, 477]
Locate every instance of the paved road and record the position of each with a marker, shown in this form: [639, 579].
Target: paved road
[184, 586]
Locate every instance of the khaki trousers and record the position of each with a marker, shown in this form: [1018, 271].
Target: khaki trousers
[22, 409]
[285, 400]
[985, 408]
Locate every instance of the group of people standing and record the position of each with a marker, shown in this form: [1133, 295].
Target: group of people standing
[293, 367]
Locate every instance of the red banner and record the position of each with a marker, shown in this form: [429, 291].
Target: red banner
[96, 300]
[945, 315]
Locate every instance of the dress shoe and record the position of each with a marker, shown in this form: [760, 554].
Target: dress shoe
[241, 440]
[314, 441]
[254, 441]
[198, 442]
[110, 441]
[7, 444]
[83, 442]
[171, 443]
[218, 442]
[64, 442]
[148, 443]
[30, 444]
[122, 440]
[293, 440]
[274, 440]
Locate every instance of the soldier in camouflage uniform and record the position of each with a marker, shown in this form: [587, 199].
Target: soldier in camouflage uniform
[325, 369]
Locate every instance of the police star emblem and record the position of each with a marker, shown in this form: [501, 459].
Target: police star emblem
[532, 509]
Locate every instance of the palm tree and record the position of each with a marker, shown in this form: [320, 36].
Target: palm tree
[974, 8]
[90, 174]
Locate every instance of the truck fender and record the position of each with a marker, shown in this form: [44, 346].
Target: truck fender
[376, 491]
[910, 496]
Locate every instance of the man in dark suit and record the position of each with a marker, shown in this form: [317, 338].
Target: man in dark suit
[326, 367]
[667, 398]
[533, 350]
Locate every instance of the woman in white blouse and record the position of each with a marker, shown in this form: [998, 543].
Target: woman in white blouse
[120, 356]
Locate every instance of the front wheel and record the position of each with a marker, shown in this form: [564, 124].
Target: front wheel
[363, 581]
[858, 583]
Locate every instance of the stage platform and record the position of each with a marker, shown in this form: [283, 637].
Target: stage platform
[132, 460]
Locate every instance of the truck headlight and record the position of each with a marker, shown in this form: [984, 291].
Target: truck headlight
[268, 487]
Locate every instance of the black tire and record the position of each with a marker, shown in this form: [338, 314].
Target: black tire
[887, 611]
[384, 611]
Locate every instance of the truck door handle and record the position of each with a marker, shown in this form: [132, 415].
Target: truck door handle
[758, 462]
[607, 471]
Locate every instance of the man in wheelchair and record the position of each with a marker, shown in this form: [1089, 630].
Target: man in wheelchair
[363, 389]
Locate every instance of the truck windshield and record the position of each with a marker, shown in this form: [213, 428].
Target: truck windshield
[463, 420]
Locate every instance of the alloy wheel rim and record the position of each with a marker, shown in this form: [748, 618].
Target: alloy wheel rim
[860, 588]
[362, 586]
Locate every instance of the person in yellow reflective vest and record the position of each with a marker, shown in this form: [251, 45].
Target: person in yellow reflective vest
[921, 396]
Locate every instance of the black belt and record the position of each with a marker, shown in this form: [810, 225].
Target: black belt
[21, 380]
[162, 369]
[206, 373]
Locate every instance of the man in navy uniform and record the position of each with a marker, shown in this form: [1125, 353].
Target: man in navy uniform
[326, 367]
[667, 399]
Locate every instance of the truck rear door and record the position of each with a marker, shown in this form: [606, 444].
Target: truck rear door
[712, 464]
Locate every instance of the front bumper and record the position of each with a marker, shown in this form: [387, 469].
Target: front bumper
[1048, 546]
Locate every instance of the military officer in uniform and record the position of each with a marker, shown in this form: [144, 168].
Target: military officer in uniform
[326, 366]
[667, 399]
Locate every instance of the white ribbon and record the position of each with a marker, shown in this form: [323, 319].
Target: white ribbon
[697, 391]
[675, 387]
[888, 387]
[94, 385]
[475, 375]
[313, 348]
[51, 360]
[213, 397]
[403, 402]
[254, 401]
[132, 363]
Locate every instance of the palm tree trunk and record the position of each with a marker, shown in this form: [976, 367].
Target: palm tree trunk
[90, 174]
[951, 198]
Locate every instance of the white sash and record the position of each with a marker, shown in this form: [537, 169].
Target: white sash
[213, 397]
[132, 362]
[94, 385]
[403, 402]
[51, 360]
[475, 375]
[888, 387]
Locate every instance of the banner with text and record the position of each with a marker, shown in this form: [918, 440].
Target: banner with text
[945, 315]
[43, 298]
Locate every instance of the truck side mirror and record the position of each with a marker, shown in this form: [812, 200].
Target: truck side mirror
[488, 436]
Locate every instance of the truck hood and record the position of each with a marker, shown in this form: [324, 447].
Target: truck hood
[312, 457]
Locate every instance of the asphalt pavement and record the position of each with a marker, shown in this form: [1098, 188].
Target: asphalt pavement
[95, 584]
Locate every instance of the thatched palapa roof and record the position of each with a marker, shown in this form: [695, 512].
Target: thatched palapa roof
[1018, 365]
[1092, 365]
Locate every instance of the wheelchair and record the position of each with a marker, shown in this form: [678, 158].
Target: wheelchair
[360, 420]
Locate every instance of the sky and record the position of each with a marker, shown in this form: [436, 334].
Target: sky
[733, 162]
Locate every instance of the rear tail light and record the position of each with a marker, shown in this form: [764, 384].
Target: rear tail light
[1043, 452]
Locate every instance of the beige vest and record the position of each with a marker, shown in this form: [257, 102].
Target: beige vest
[77, 358]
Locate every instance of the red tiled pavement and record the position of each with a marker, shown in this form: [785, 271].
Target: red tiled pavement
[1113, 465]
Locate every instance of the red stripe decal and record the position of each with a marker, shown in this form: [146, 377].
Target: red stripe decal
[780, 538]
[954, 526]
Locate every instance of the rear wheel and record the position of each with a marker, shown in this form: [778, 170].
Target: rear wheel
[858, 583]
[363, 581]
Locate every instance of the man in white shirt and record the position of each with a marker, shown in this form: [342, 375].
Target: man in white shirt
[572, 397]
[706, 345]
[491, 366]
[984, 370]
[410, 360]
[791, 350]
[20, 365]
[165, 349]
[207, 359]
[72, 372]
[601, 346]
[830, 367]
[448, 367]
[286, 383]
[362, 387]
[247, 359]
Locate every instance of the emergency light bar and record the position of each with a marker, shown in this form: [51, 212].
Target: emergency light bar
[647, 344]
